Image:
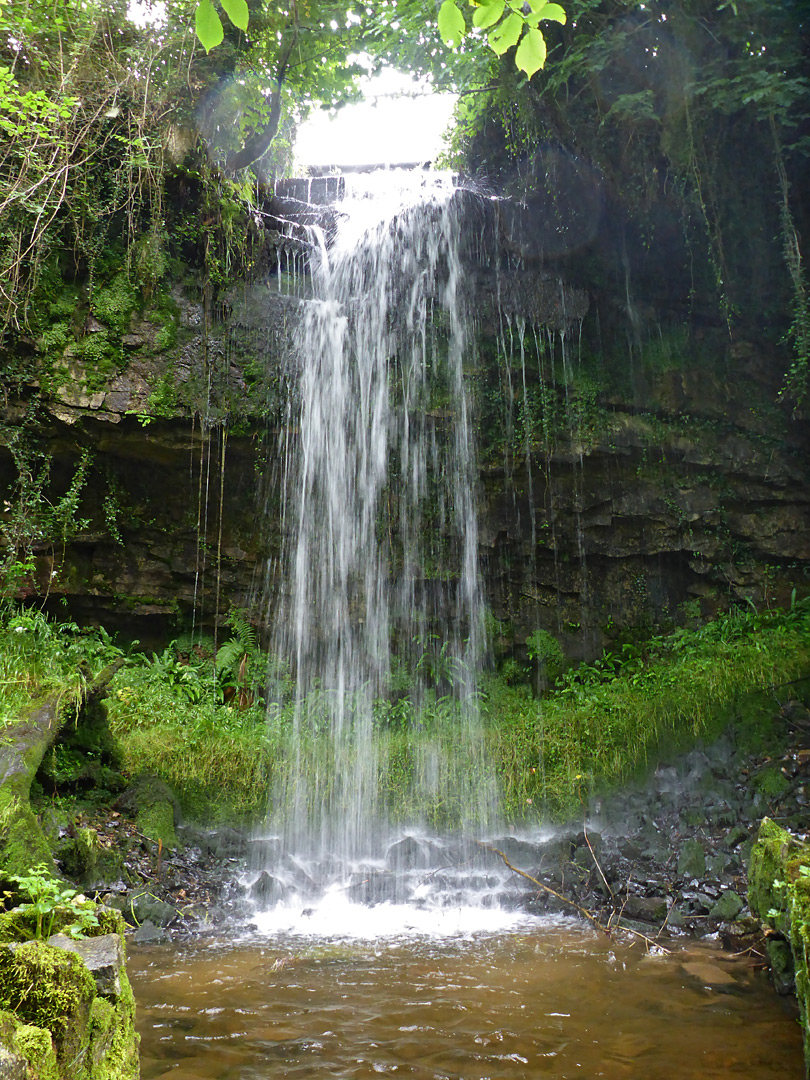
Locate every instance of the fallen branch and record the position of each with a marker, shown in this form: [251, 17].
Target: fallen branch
[596, 864]
[546, 888]
[606, 930]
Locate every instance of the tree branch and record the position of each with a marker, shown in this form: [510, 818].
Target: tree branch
[546, 888]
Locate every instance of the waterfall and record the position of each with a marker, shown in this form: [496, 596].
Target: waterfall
[380, 613]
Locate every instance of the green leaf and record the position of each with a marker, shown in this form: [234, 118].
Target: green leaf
[531, 52]
[451, 24]
[488, 13]
[553, 13]
[506, 35]
[237, 12]
[208, 25]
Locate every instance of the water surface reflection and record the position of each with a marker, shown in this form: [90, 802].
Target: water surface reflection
[556, 1001]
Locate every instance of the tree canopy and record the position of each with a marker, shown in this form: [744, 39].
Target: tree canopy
[699, 107]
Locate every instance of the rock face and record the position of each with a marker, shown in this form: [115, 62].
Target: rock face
[102, 956]
[646, 477]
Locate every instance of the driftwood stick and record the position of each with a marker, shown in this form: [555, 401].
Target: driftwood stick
[606, 930]
[596, 864]
[546, 888]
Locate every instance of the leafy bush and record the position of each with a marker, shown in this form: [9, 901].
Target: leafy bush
[600, 724]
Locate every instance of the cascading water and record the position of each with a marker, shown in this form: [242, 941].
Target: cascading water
[381, 615]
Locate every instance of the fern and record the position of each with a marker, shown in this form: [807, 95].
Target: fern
[229, 657]
[243, 631]
[240, 651]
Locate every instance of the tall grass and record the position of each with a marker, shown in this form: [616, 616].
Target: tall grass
[604, 722]
[39, 656]
[597, 727]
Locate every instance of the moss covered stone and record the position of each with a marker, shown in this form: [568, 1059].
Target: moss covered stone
[86, 860]
[154, 805]
[60, 1021]
[48, 988]
[779, 894]
[25, 1047]
[156, 821]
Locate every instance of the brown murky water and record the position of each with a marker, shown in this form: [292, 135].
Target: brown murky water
[554, 1002]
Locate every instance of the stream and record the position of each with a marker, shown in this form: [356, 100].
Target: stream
[544, 998]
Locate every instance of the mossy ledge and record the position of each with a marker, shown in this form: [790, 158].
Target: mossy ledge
[58, 1021]
[779, 894]
[62, 1015]
[22, 842]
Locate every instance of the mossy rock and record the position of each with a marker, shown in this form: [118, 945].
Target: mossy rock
[772, 783]
[728, 906]
[56, 1022]
[154, 806]
[775, 859]
[22, 843]
[48, 988]
[86, 860]
[779, 894]
[26, 1050]
[691, 860]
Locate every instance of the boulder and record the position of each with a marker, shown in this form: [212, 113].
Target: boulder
[103, 957]
[691, 860]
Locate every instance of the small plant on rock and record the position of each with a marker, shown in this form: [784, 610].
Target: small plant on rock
[52, 904]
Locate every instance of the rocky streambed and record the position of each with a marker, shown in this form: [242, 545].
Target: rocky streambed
[666, 856]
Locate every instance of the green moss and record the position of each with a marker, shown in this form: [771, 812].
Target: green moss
[772, 783]
[156, 820]
[48, 988]
[56, 338]
[113, 1042]
[779, 894]
[162, 401]
[101, 356]
[86, 860]
[15, 925]
[22, 842]
[115, 302]
[32, 1044]
[54, 1018]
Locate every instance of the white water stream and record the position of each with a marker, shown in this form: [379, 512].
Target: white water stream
[381, 615]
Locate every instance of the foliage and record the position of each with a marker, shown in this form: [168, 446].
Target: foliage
[39, 655]
[605, 720]
[170, 720]
[544, 648]
[600, 724]
[34, 519]
[51, 902]
[208, 25]
[660, 113]
[509, 23]
[241, 667]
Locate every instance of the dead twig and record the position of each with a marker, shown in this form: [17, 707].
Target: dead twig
[596, 864]
[546, 888]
